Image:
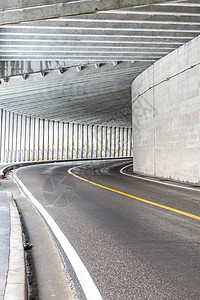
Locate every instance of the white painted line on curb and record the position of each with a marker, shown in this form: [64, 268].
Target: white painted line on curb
[155, 181]
[89, 288]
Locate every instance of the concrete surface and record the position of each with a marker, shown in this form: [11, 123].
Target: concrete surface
[166, 116]
[53, 8]
[4, 241]
[12, 263]
[16, 285]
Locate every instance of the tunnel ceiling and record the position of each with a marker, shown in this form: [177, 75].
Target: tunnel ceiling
[79, 67]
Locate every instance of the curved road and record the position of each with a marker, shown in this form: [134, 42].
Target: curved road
[131, 248]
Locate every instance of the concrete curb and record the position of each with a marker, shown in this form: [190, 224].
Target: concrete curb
[16, 286]
[29, 163]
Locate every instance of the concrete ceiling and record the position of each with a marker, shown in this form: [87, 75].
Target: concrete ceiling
[79, 67]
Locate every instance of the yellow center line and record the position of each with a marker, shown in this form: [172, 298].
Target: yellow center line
[134, 197]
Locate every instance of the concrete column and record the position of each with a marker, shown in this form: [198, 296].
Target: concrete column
[113, 142]
[117, 146]
[104, 141]
[51, 137]
[95, 142]
[55, 140]
[85, 141]
[65, 140]
[7, 129]
[41, 140]
[36, 142]
[129, 142]
[75, 142]
[121, 139]
[14, 152]
[70, 148]
[27, 146]
[80, 141]
[10, 138]
[60, 140]
[19, 136]
[32, 139]
[99, 144]
[46, 140]
[125, 151]
[90, 139]
[108, 152]
[23, 139]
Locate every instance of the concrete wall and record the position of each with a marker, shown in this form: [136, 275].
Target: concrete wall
[24, 138]
[166, 116]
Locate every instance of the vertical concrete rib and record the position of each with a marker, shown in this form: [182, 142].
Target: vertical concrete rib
[10, 138]
[46, 140]
[129, 141]
[90, 138]
[95, 142]
[23, 138]
[50, 152]
[117, 142]
[112, 154]
[36, 144]
[121, 134]
[19, 136]
[14, 150]
[125, 142]
[75, 141]
[85, 141]
[41, 140]
[99, 141]
[108, 142]
[71, 129]
[27, 146]
[7, 128]
[80, 140]
[65, 140]
[55, 140]
[60, 140]
[103, 142]
[32, 138]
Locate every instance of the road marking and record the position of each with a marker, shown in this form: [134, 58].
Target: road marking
[89, 288]
[134, 197]
[155, 181]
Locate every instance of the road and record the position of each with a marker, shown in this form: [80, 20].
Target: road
[132, 249]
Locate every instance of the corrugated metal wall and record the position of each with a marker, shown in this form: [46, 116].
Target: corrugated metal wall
[24, 138]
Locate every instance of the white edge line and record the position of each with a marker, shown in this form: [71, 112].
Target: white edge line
[90, 290]
[155, 181]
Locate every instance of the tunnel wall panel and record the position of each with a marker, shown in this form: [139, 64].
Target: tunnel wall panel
[166, 116]
[24, 138]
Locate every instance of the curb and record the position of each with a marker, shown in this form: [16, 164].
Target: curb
[16, 286]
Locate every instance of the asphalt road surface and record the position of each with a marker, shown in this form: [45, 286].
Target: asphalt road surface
[132, 249]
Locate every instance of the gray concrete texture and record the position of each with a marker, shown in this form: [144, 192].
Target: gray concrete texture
[4, 241]
[166, 116]
[13, 11]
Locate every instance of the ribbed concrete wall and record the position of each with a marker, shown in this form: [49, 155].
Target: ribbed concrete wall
[24, 138]
[166, 116]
